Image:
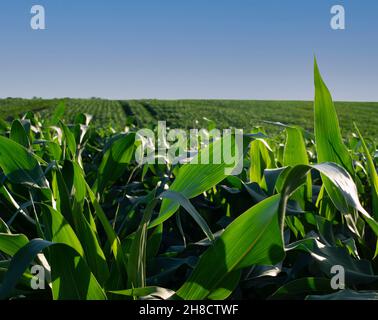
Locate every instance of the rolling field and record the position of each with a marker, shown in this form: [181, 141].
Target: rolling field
[191, 113]
[247, 114]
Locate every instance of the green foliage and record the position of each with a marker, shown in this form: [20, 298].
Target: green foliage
[74, 200]
[187, 114]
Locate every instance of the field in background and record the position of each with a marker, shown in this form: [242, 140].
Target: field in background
[191, 113]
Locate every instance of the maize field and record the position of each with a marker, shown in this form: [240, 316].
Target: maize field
[78, 208]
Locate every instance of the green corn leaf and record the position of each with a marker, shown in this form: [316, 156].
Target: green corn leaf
[94, 255]
[344, 188]
[62, 194]
[20, 262]
[59, 230]
[356, 271]
[294, 154]
[300, 288]
[227, 287]
[54, 150]
[195, 177]
[11, 243]
[19, 165]
[58, 113]
[71, 276]
[343, 193]
[23, 282]
[114, 242]
[19, 134]
[261, 158]
[69, 139]
[4, 227]
[73, 212]
[157, 292]
[185, 203]
[136, 264]
[252, 238]
[373, 176]
[115, 161]
[154, 242]
[329, 144]
[86, 231]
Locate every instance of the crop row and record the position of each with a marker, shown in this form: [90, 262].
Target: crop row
[197, 113]
[247, 114]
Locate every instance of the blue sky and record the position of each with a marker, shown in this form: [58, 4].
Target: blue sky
[232, 49]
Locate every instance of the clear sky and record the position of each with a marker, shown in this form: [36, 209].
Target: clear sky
[232, 49]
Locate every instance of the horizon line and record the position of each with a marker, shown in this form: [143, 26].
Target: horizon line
[182, 99]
